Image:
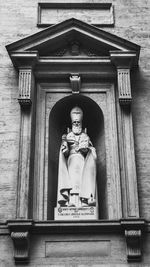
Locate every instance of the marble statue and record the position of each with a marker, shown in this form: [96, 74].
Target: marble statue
[77, 166]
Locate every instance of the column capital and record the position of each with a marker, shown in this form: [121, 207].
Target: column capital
[26, 85]
[27, 59]
[124, 86]
[123, 59]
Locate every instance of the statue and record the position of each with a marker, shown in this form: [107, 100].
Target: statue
[77, 166]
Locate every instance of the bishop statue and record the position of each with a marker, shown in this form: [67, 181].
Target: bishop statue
[77, 166]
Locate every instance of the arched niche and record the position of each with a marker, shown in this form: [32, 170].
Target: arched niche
[93, 120]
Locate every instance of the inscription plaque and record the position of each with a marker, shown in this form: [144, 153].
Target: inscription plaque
[73, 213]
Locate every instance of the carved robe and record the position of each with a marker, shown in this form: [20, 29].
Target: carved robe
[77, 171]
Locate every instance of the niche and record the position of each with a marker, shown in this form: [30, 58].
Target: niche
[59, 121]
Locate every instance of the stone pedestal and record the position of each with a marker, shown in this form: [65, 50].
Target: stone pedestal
[73, 213]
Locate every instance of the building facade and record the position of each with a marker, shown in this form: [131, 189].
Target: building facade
[56, 55]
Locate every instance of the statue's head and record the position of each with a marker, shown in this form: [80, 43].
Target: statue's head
[76, 115]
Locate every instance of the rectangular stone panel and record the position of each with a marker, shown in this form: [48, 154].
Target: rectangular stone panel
[73, 213]
[77, 248]
[100, 14]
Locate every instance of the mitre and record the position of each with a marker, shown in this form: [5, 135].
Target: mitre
[76, 114]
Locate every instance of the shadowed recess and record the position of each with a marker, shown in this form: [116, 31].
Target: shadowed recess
[59, 121]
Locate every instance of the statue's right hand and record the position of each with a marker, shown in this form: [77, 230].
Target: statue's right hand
[64, 149]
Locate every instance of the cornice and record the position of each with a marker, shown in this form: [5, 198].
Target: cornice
[124, 59]
[51, 34]
[80, 60]
[26, 59]
[113, 226]
[99, 226]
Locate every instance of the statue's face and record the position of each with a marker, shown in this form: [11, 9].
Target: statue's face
[77, 127]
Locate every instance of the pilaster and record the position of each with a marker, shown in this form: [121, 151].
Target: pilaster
[124, 62]
[24, 164]
[27, 127]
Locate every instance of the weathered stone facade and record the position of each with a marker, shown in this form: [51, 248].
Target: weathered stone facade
[103, 247]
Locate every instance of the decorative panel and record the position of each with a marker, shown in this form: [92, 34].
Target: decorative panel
[100, 14]
[78, 248]
[124, 87]
[25, 84]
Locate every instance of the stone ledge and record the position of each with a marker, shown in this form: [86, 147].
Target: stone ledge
[66, 227]
[132, 230]
[97, 226]
[129, 223]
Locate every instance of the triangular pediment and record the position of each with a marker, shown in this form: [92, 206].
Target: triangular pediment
[58, 40]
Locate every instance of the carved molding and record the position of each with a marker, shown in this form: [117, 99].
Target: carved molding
[25, 87]
[38, 42]
[64, 52]
[124, 61]
[124, 86]
[133, 229]
[21, 245]
[19, 230]
[75, 49]
[133, 241]
[75, 81]
[59, 52]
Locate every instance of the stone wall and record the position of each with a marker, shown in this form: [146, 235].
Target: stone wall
[19, 19]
